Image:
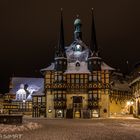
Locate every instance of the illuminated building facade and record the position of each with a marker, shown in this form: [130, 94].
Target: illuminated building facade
[77, 84]
[135, 86]
[121, 97]
[27, 94]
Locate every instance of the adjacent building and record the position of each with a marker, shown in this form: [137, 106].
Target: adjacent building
[121, 97]
[135, 86]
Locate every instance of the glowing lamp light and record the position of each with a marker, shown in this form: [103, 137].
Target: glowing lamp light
[49, 110]
[132, 102]
[60, 111]
[128, 103]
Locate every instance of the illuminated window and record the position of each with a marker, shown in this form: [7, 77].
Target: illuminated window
[60, 77]
[95, 95]
[81, 80]
[39, 99]
[77, 80]
[35, 99]
[85, 76]
[68, 80]
[99, 78]
[59, 91]
[85, 80]
[47, 76]
[77, 76]
[72, 76]
[90, 91]
[90, 96]
[47, 81]
[72, 80]
[68, 76]
[107, 80]
[94, 77]
[90, 78]
[81, 76]
[95, 91]
[64, 77]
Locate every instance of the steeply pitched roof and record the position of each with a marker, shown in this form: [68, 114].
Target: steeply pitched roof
[104, 66]
[49, 68]
[72, 68]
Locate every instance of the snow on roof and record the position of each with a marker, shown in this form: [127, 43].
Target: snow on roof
[94, 58]
[72, 68]
[122, 86]
[33, 84]
[38, 94]
[59, 58]
[117, 73]
[119, 82]
[51, 67]
[104, 66]
[135, 80]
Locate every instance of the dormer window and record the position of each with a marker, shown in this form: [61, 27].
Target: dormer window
[77, 64]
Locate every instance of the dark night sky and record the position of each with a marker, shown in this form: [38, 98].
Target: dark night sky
[29, 32]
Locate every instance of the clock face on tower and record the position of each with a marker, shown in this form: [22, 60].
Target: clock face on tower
[77, 51]
[78, 48]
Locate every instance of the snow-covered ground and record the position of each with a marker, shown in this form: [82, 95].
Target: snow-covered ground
[80, 129]
[26, 126]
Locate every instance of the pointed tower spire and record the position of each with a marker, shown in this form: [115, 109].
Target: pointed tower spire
[93, 43]
[61, 43]
[60, 55]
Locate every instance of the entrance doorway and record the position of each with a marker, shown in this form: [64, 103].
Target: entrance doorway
[77, 106]
[131, 109]
[138, 107]
[59, 113]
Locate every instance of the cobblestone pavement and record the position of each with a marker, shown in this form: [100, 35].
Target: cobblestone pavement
[84, 129]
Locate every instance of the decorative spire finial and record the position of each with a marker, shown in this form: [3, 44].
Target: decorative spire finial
[93, 44]
[61, 43]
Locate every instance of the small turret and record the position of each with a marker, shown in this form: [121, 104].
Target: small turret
[77, 32]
